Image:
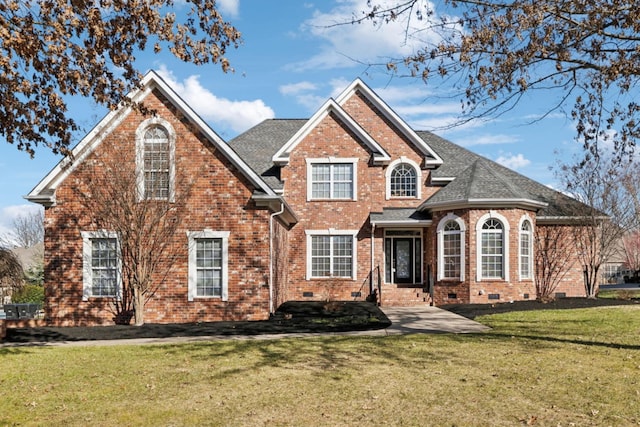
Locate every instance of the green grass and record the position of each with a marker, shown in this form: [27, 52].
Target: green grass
[625, 294]
[546, 367]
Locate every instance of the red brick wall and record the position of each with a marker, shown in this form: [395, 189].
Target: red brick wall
[219, 200]
[474, 291]
[330, 138]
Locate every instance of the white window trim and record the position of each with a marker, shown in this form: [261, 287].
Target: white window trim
[192, 280]
[87, 270]
[333, 232]
[331, 160]
[140, 131]
[389, 171]
[531, 234]
[505, 241]
[440, 236]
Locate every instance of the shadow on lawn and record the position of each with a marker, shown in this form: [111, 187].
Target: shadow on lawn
[291, 317]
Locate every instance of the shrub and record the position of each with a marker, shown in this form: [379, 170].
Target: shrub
[29, 294]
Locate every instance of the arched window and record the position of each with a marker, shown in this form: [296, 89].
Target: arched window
[156, 163]
[493, 247]
[451, 248]
[526, 250]
[403, 179]
[155, 146]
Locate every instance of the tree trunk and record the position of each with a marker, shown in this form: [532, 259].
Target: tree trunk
[138, 307]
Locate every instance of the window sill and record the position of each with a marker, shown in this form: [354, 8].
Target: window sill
[332, 200]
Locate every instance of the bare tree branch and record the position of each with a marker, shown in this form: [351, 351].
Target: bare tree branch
[52, 49]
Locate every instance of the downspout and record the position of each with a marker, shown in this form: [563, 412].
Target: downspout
[273, 215]
[371, 282]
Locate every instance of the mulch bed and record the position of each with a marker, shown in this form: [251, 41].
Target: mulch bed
[291, 317]
[471, 311]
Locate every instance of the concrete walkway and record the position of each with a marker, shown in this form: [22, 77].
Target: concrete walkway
[404, 320]
[429, 320]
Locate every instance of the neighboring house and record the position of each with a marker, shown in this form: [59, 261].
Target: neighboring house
[349, 204]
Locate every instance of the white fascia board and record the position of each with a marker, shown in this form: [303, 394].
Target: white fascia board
[282, 156]
[69, 163]
[443, 180]
[483, 203]
[93, 139]
[359, 85]
[209, 133]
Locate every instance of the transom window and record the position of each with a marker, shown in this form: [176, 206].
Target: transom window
[403, 181]
[492, 249]
[156, 163]
[525, 250]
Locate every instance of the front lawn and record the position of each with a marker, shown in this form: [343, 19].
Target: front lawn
[544, 367]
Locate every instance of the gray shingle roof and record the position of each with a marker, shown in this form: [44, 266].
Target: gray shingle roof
[475, 176]
[399, 215]
[457, 160]
[258, 145]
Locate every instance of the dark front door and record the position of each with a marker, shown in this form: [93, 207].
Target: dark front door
[403, 260]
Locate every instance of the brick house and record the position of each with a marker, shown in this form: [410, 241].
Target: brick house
[348, 204]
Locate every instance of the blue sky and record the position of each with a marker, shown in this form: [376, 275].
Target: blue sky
[288, 65]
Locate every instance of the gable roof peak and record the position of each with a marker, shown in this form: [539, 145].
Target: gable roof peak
[330, 106]
[44, 191]
[431, 158]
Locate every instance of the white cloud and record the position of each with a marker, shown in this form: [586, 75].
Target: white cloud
[236, 115]
[490, 139]
[350, 44]
[229, 7]
[512, 161]
[297, 88]
[312, 96]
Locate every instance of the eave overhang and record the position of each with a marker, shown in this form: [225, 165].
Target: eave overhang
[275, 204]
[482, 203]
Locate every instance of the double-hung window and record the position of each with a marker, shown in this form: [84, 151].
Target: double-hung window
[101, 265]
[331, 253]
[331, 179]
[526, 249]
[208, 264]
